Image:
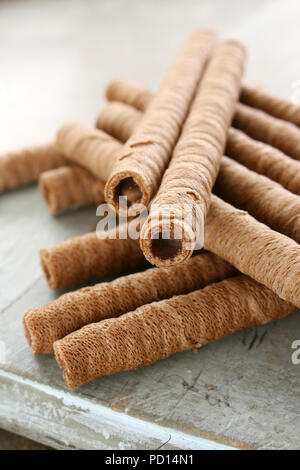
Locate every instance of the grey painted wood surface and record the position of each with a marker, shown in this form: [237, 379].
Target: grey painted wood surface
[11, 441]
[56, 58]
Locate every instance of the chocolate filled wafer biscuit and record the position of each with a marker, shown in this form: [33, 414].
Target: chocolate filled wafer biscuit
[119, 120]
[264, 159]
[264, 199]
[187, 183]
[25, 166]
[91, 148]
[145, 155]
[255, 155]
[261, 126]
[80, 259]
[254, 249]
[130, 93]
[70, 186]
[270, 103]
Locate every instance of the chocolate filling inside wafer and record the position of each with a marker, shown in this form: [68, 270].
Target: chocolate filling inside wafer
[129, 188]
[165, 248]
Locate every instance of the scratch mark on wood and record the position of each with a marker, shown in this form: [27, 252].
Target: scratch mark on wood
[252, 342]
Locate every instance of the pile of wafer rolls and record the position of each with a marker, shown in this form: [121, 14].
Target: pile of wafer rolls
[227, 152]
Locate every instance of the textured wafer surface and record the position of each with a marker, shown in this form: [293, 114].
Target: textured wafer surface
[187, 183]
[91, 148]
[147, 334]
[261, 126]
[264, 199]
[71, 311]
[24, 166]
[270, 103]
[254, 249]
[255, 155]
[264, 159]
[130, 93]
[80, 259]
[145, 155]
[119, 120]
[69, 186]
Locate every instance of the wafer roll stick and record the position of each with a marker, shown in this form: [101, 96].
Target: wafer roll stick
[254, 249]
[71, 311]
[24, 166]
[187, 183]
[119, 120]
[130, 93]
[158, 330]
[264, 199]
[255, 155]
[69, 186]
[141, 163]
[264, 159]
[80, 259]
[90, 148]
[272, 104]
[270, 204]
[261, 126]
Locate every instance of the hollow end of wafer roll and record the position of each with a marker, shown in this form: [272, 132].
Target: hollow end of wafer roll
[129, 189]
[130, 93]
[45, 261]
[48, 195]
[126, 184]
[62, 364]
[34, 336]
[162, 247]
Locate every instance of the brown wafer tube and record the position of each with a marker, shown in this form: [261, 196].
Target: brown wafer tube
[145, 155]
[264, 159]
[130, 93]
[261, 126]
[158, 330]
[90, 148]
[119, 120]
[71, 311]
[270, 103]
[270, 204]
[255, 155]
[80, 259]
[254, 249]
[264, 199]
[188, 181]
[24, 166]
[69, 186]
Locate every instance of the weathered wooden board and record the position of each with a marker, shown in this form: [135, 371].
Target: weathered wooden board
[56, 58]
